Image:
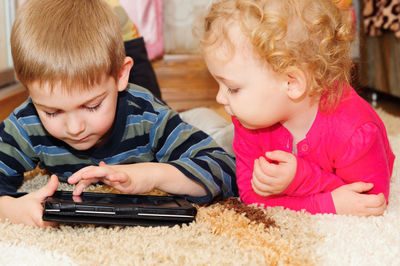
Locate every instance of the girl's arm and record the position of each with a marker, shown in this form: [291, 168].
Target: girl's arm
[347, 199]
[364, 158]
[312, 185]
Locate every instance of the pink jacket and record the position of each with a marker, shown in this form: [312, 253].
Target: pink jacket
[343, 147]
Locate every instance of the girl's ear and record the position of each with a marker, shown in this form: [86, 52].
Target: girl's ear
[123, 77]
[296, 84]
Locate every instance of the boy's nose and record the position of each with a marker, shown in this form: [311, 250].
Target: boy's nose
[221, 97]
[74, 125]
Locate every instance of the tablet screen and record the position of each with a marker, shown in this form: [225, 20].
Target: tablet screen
[117, 209]
[118, 199]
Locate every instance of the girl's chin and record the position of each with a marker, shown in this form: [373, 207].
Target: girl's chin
[250, 126]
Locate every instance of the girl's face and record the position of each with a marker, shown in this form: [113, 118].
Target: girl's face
[248, 88]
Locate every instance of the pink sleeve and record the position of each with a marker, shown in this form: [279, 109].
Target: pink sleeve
[247, 149]
[310, 178]
[367, 158]
[363, 158]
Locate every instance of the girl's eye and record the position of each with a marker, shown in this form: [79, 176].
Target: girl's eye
[93, 108]
[232, 90]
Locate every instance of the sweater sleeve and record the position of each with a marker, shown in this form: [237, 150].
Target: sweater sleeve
[362, 158]
[195, 154]
[247, 150]
[15, 151]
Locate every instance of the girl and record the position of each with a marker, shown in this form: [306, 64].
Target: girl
[303, 137]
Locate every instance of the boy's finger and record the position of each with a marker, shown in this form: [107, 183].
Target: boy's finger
[116, 177]
[49, 188]
[96, 172]
[80, 187]
[75, 177]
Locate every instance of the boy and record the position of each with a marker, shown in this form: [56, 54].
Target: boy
[84, 125]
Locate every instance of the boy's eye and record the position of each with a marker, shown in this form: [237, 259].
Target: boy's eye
[92, 108]
[52, 114]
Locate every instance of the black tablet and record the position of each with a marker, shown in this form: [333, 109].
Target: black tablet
[117, 209]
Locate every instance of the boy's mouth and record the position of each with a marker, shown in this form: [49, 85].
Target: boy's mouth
[79, 140]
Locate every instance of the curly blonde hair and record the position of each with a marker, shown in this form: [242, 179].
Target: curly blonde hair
[314, 36]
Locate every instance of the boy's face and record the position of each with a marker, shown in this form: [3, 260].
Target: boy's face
[81, 118]
[248, 88]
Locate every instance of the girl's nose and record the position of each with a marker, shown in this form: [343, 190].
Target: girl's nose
[221, 97]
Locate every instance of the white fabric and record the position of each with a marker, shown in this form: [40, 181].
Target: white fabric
[213, 124]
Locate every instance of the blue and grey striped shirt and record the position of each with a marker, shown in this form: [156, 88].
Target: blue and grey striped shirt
[145, 130]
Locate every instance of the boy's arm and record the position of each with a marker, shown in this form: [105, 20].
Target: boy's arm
[195, 154]
[16, 152]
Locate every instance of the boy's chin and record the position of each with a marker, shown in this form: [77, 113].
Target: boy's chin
[81, 146]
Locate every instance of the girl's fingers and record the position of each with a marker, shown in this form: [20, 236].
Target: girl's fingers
[279, 156]
[257, 171]
[257, 189]
[270, 169]
[374, 201]
[359, 187]
[261, 188]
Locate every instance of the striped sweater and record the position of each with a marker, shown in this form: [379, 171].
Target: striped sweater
[145, 130]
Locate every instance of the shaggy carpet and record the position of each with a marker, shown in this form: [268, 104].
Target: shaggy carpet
[224, 233]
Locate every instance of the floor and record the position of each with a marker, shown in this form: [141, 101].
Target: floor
[186, 83]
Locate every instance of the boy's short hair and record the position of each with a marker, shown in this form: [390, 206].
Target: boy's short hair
[69, 42]
[312, 35]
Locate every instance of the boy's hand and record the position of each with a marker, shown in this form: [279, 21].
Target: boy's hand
[112, 175]
[273, 178]
[28, 209]
[349, 199]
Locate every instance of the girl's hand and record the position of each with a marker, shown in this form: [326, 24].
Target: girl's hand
[113, 175]
[273, 178]
[349, 199]
[28, 209]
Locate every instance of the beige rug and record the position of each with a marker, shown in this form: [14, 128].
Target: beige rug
[227, 233]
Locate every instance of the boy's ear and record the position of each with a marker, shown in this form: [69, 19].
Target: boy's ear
[123, 77]
[297, 84]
